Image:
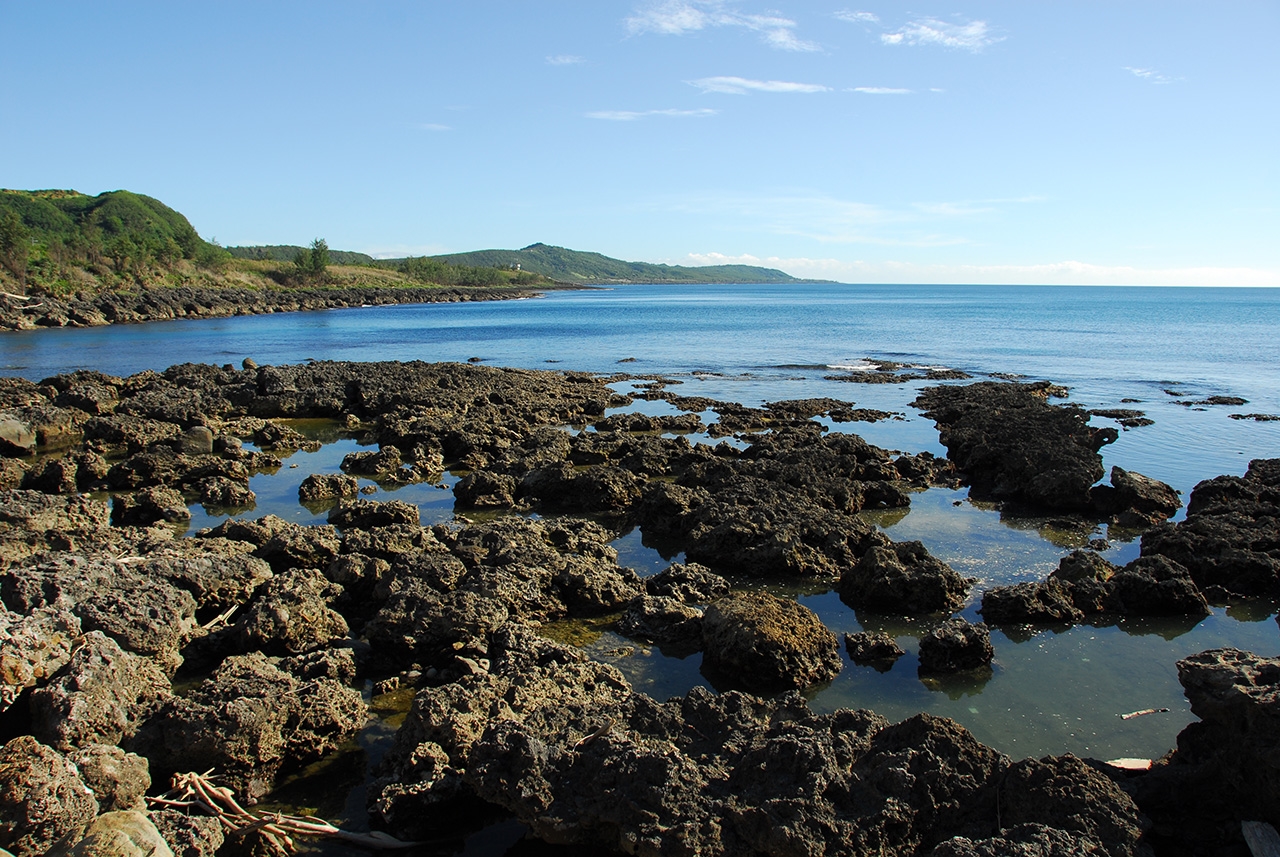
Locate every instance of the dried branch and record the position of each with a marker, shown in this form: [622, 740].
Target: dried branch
[198, 791]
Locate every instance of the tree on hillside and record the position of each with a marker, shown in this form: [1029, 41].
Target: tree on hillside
[312, 263]
[15, 247]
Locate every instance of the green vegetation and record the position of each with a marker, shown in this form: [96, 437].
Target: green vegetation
[289, 252]
[573, 266]
[60, 240]
[312, 264]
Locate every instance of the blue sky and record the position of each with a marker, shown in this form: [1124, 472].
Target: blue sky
[1005, 142]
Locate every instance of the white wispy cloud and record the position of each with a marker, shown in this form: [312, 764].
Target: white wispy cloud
[433, 126]
[858, 17]
[678, 17]
[973, 36]
[880, 90]
[565, 59]
[742, 85]
[1066, 273]
[633, 115]
[1149, 74]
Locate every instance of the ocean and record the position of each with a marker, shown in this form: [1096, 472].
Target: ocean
[1152, 349]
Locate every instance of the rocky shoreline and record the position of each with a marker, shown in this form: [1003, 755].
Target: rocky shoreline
[166, 304]
[129, 655]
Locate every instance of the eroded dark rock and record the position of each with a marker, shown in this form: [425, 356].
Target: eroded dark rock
[903, 578]
[955, 645]
[760, 641]
[1012, 445]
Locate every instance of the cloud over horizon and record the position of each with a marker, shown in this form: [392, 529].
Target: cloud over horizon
[1065, 273]
[678, 17]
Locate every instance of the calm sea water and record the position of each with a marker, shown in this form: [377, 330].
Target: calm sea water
[1114, 347]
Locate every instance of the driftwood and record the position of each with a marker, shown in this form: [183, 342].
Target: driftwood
[198, 792]
[1143, 713]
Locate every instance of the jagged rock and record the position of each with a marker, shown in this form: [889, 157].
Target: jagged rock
[484, 490]
[292, 615]
[1023, 840]
[1012, 445]
[1155, 586]
[218, 573]
[1231, 533]
[871, 646]
[32, 522]
[12, 472]
[419, 624]
[220, 492]
[590, 586]
[902, 578]
[1134, 500]
[251, 721]
[955, 645]
[189, 835]
[144, 614]
[274, 436]
[1044, 603]
[100, 697]
[283, 544]
[124, 833]
[148, 506]
[367, 514]
[766, 642]
[118, 779]
[318, 487]
[42, 797]
[33, 648]
[663, 620]
[1066, 793]
[691, 583]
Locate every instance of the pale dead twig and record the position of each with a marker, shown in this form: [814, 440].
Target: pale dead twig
[1143, 712]
[198, 791]
[603, 730]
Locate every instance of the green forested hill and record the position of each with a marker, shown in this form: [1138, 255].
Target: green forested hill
[50, 237]
[573, 266]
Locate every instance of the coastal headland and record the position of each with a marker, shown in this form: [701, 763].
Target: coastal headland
[131, 655]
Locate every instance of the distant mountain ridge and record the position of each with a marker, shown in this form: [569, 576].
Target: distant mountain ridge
[574, 266]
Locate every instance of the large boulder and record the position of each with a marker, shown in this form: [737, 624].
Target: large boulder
[761, 641]
[663, 620]
[122, 833]
[251, 721]
[1231, 537]
[100, 696]
[42, 797]
[902, 578]
[292, 615]
[33, 648]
